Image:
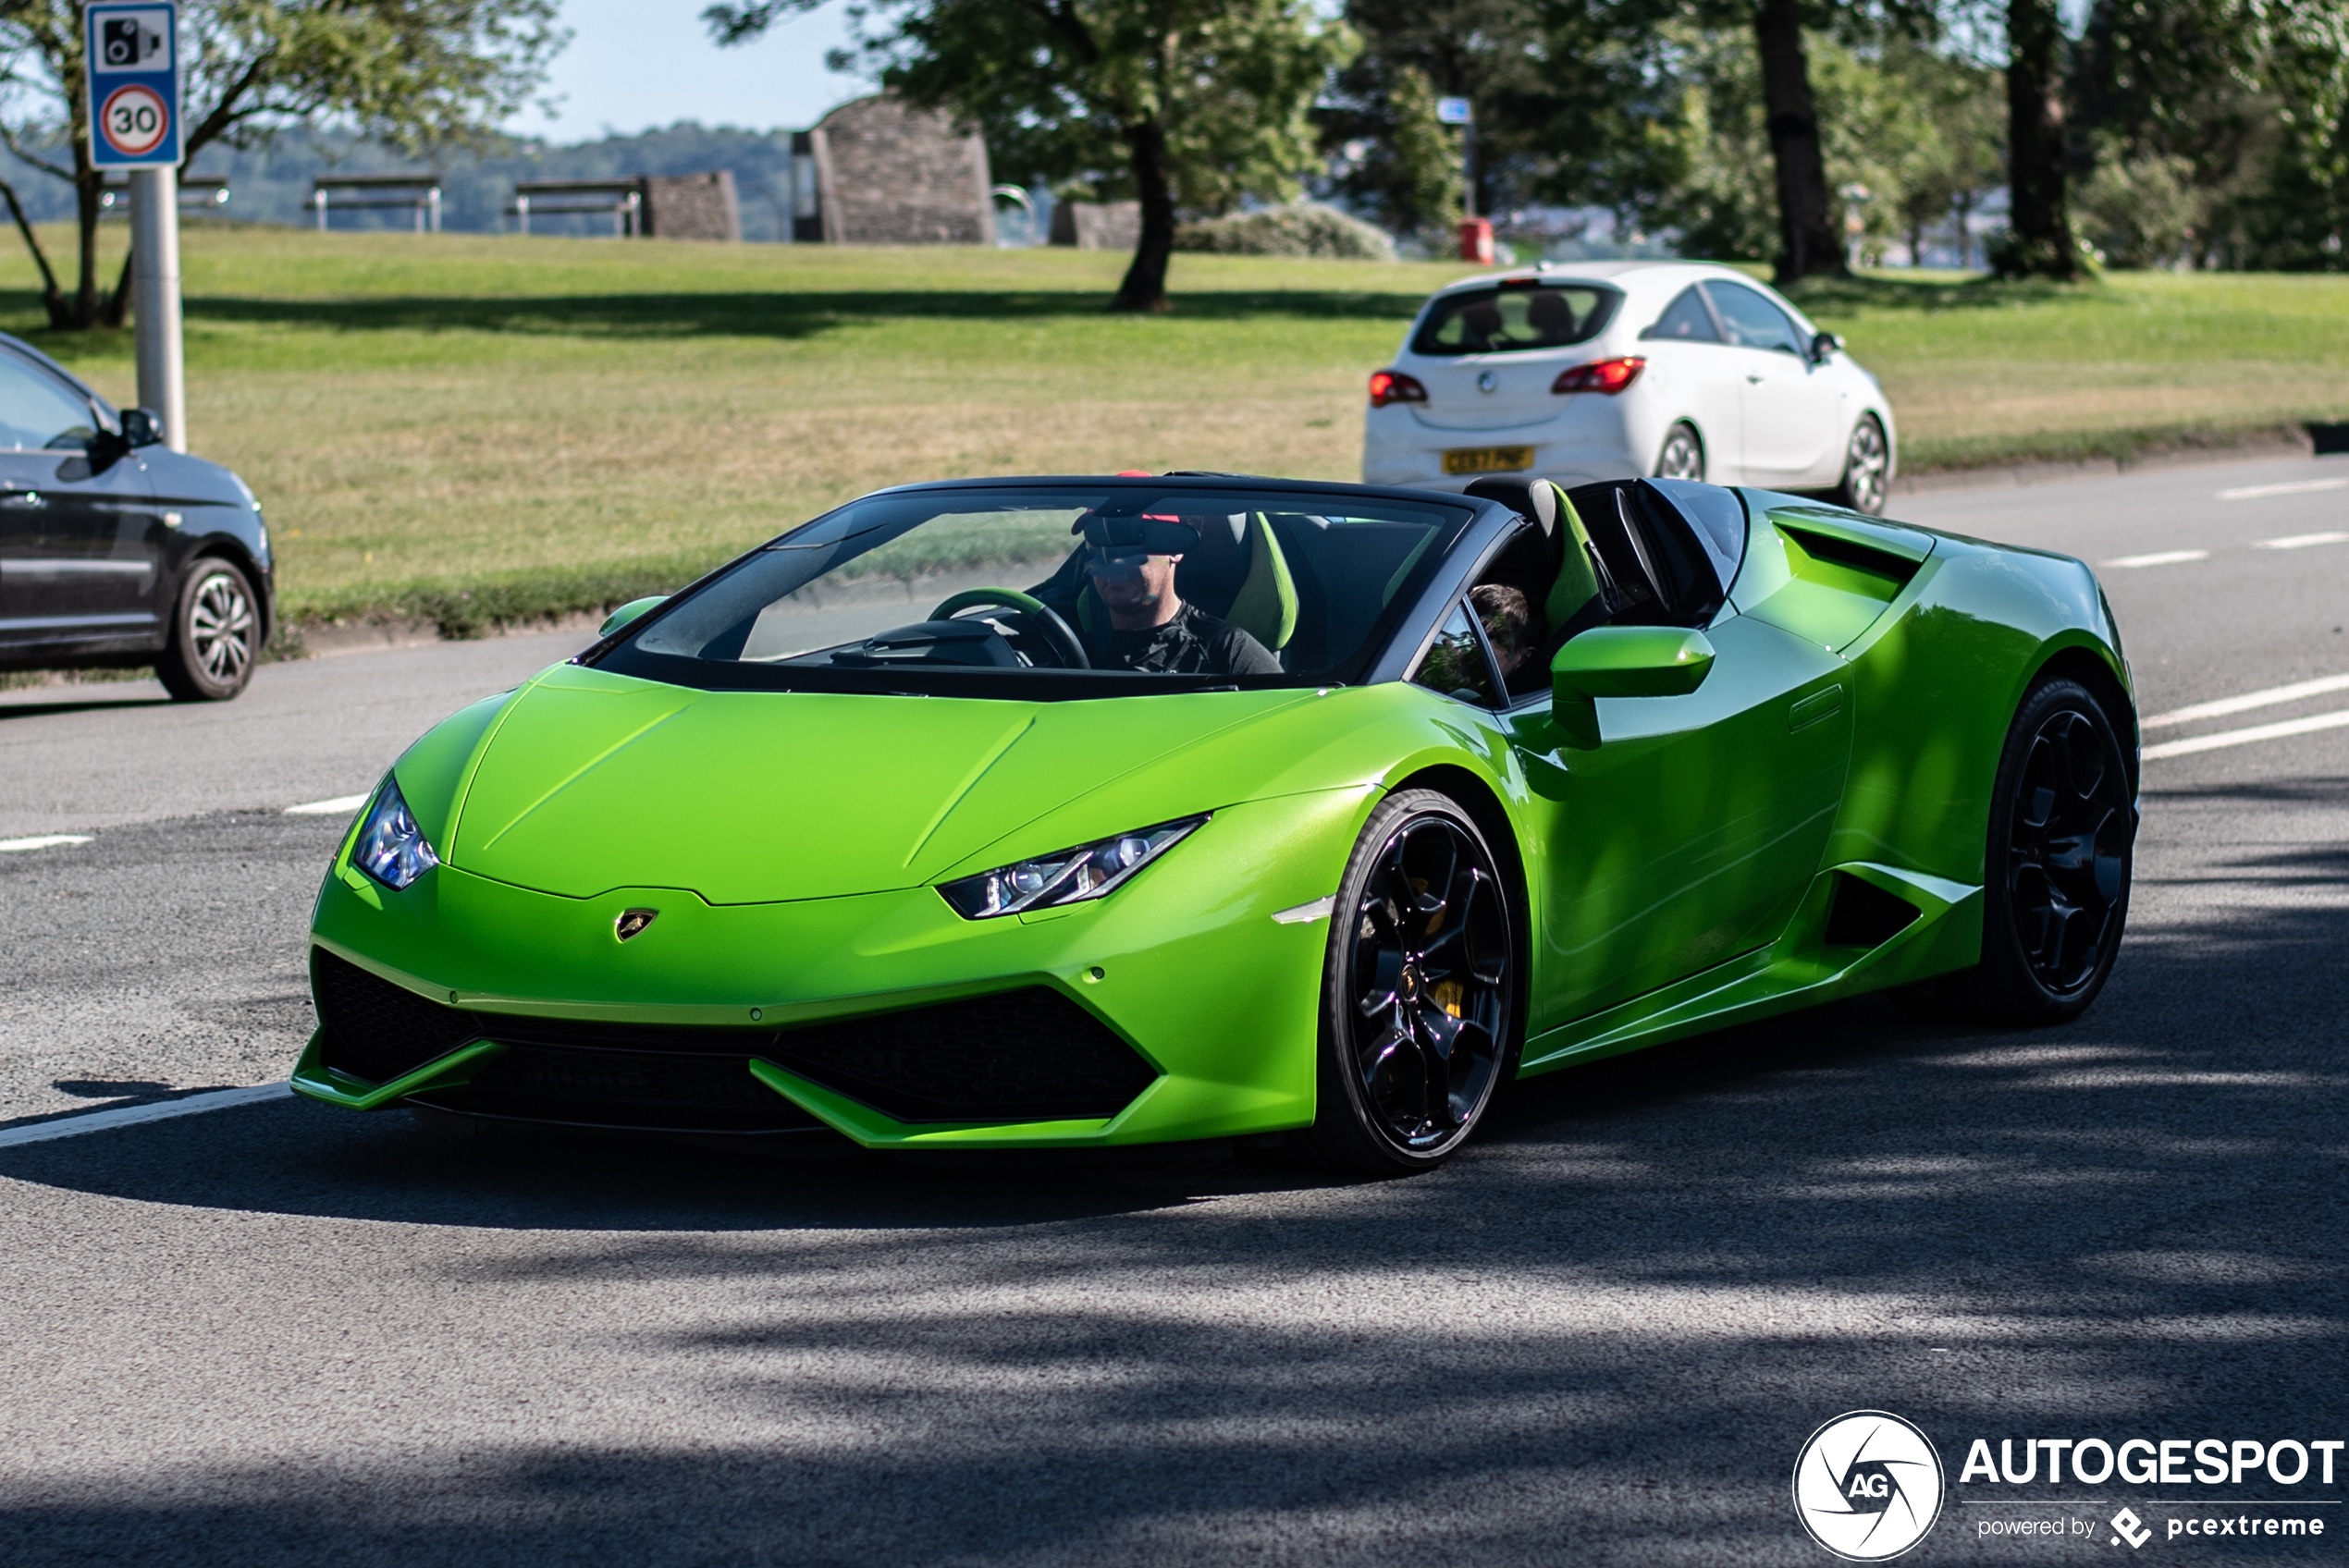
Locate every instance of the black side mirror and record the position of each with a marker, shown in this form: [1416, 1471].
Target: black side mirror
[1823, 345]
[140, 427]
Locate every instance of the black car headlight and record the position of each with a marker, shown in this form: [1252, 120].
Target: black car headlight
[1066, 876]
[391, 848]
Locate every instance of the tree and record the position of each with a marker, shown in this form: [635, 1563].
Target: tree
[1181, 103]
[2040, 242]
[1808, 243]
[413, 73]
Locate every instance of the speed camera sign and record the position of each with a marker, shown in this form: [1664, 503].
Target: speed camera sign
[131, 74]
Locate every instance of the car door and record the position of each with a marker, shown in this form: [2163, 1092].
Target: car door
[80, 542]
[1692, 374]
[1789, 404]
[1688, 834]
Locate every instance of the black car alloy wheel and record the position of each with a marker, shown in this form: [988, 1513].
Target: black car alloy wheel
[215, 635]
[2061, 831]
[1419, 1007]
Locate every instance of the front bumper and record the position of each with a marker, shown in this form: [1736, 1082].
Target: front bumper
[1214, 1005]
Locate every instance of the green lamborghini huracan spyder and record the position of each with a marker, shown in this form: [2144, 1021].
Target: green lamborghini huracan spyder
[1073, 812]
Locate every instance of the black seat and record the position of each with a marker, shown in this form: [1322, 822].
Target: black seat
[1662, 576]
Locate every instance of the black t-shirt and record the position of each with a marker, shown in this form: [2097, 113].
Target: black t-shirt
[1193, 643]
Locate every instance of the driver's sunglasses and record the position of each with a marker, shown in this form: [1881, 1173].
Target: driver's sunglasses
[1111, 560]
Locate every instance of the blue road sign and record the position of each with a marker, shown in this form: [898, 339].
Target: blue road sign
[1454, 111]
[130, 69]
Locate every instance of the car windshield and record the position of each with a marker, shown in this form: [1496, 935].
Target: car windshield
[1516, 317]
[1053, 591]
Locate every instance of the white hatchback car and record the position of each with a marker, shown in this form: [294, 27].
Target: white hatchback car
[1612, 370]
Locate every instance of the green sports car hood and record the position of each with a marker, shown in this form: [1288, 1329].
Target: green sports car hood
[585, 781]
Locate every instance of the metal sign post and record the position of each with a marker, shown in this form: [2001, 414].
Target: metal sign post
[131, 77]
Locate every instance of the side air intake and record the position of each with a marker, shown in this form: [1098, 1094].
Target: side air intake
[1864, 915]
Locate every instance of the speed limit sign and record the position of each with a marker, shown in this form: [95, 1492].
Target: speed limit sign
[130, 60]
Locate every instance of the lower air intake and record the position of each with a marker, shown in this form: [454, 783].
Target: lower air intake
[1031, 1055]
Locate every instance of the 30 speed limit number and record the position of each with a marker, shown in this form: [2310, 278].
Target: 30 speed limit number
[133, 119]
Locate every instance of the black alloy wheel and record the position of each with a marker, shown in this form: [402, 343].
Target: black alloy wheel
[1419, 1001]
[2062, 828]
[215, 634]
[1867, 469]
[1684, 454]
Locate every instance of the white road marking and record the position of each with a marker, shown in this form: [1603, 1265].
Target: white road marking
[2302, 541]
[2266, 698]
[2245, 736]
[335, 807]
[2298, 487]
[46, 841]
[2160, 558]
[131, 1115]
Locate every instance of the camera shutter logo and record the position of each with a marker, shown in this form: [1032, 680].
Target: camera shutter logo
[1868, 1486]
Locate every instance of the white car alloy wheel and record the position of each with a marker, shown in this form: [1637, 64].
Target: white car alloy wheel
[1683, 455]
[1867, 468]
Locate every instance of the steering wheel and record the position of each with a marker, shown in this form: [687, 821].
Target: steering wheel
[1056, 630]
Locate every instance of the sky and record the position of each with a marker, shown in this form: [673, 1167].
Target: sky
[633, 65]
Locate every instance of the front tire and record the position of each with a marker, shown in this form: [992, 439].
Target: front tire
[1684, 454]
[215, 634]
[1867, 469]
[1419, 1006]
[2058, 868]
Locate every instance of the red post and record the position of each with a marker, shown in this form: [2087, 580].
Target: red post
[1476, 242]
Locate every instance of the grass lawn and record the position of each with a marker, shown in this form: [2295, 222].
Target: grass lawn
[474, 428]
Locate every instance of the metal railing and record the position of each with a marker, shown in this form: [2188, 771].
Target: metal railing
[196, 197]
[419, 194]
[623, 198]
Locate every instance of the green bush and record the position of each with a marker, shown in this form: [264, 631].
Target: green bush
[1302, 228]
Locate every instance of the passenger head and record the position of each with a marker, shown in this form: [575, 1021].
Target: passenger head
[1551, 319]
[1508, 616]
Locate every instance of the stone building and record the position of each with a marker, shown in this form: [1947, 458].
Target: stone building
[691, 206]
[874, 172]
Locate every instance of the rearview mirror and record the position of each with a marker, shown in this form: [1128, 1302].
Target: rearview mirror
[1823, 345]
[1622, 661]
[618, 620]
[141, 428]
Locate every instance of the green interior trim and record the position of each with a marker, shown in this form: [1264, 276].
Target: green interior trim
[1265, 607]
[1578, 582]
[1394, 583]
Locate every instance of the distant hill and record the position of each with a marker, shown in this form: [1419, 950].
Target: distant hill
[273, 185]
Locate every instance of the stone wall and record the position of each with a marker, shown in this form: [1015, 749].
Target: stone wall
[887, 175]
[691, 206]
[1098, 225]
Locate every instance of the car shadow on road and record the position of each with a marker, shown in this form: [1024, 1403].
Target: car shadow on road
[92, 705]
[1597, 1338]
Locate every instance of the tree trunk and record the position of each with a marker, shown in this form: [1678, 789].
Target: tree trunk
[1808, 244]
[1966, 231]
[2041, 224]
[1145, 285]
[88, 186]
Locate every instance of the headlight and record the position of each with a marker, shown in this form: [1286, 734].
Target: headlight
[391, 847]
[1068, 876]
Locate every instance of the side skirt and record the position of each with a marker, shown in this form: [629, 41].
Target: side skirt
[1799, 970]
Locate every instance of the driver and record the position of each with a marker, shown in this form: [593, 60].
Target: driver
[1130, 561]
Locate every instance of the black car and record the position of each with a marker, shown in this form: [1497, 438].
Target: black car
[116, 550]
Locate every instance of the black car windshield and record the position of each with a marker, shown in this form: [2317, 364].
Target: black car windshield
[1055, 591]
[1515, 318]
